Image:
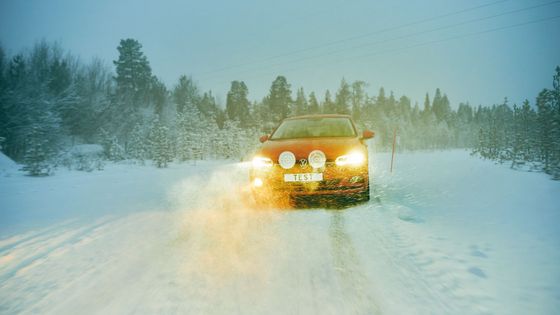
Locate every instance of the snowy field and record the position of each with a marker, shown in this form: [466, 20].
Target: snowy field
[446, 234]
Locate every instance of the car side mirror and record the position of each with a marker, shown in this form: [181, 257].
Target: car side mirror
[263, 138]
[368, 134]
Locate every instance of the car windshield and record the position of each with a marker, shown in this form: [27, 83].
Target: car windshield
[314, 127]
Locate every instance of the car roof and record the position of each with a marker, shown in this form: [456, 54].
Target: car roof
[319, 116]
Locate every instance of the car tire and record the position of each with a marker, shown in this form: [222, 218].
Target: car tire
[364, 196]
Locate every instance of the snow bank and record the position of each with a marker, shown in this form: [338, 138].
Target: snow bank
[7, 166]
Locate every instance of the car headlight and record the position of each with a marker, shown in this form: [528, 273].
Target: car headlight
[354, 159]
[262, 162]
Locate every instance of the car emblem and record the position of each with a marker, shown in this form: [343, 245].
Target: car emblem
[303, 163]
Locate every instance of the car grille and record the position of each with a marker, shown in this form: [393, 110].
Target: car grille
[327, 185]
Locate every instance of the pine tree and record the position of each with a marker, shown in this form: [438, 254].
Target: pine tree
[185, 93]
[427, 108]
[261, 116]
[208, 106]
[27, 103]
[237, 104]
[441, 106]
[190, 131]
[37, 154]
[545, 136]
[133, 93]
[134, 73]
[60, 77]
[3, 68]
[391, 105]
[436, 103]
[404, 107]
[445, 110]
[343, 98]
[524, 119]
[314, 107]
[137, 147]
[517, 140]
[381, 101]
[358, 99]
[112, 150]
[279, 99]
[160, 145]
[555, 163]
[464, 126]
[301, 105]
[158, 95]
[328, 104]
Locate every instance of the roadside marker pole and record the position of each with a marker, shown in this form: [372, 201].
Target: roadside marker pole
[393, 154]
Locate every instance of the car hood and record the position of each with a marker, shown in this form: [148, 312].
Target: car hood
[332, 147]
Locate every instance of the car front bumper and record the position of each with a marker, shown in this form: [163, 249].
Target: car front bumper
[337, 180]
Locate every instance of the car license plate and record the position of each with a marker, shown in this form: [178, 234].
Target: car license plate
[303, 177]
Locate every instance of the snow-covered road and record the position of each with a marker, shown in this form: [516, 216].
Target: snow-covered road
[448, 234]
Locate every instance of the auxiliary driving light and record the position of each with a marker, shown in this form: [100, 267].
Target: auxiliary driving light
[287, 160]
[353, 159]
[317, 159]
[257, 182]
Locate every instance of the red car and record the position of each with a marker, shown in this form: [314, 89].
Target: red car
[312, 155]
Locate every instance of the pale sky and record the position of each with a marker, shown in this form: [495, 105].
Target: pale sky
[474, 50]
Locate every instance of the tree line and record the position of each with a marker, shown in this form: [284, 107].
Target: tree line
[51, 101]
[524, 136]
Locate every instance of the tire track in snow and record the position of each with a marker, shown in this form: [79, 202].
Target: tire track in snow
[74, 238]
[353, 281]
[66, 280]
[32, 236]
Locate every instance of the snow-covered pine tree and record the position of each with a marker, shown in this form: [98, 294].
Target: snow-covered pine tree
[208, 131]
[37, 153]
[137, 147]
[545, 116]
[527, 121]
[112, 149]
[523, 133]
[160, 144]
[555, 165]
[185, 93]
[190, 132]
[231, 140]
[517, 140]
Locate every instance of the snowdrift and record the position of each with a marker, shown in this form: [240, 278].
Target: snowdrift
[7, 166]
